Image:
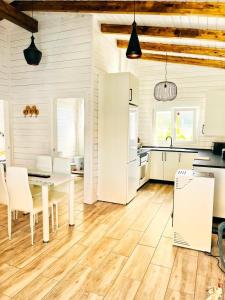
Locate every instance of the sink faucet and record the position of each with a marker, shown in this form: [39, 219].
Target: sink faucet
[171, 140]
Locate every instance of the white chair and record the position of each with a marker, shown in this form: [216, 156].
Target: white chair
[44, 163]
[60, 166]
[4, 196]
[20, 197]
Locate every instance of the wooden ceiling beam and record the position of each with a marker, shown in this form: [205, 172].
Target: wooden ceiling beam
[165, 32]
[15, 16]
[219, 52]
[126, 7]
[185, 60]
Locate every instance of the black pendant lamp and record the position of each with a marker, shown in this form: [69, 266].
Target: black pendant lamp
[32, 54]
[165, 90]
[134, 49]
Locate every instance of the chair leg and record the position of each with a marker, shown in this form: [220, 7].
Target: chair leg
[52, 212]
[56, 216]
[9, 223]
[32, 227]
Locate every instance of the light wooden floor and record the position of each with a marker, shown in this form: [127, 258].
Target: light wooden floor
[114, 252]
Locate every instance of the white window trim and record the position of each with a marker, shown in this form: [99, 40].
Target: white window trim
[173, 119]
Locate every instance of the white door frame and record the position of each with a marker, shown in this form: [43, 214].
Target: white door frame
[7, 132]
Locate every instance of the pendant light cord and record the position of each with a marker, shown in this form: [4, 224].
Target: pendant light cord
[134, 10]
[32, 13]
[166, 69]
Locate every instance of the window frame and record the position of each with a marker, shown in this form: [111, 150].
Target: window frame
[173, 111]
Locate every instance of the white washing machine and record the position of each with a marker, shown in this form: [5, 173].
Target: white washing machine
[193, 210]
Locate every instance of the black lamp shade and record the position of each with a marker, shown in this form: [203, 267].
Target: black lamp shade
[134, 49]
[32, 54]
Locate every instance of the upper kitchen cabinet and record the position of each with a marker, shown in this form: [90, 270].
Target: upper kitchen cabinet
[133, 89]
[214, 114]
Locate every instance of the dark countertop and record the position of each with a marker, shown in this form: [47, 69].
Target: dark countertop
[215, 161]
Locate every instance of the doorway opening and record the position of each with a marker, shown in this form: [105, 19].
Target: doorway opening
[69, 135]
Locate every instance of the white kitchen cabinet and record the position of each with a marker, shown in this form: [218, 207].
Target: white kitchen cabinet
[164, 164]
[133, 89]
[157, 167]
[214, 124]
[117, 139]
[171, 165]
[186, 160]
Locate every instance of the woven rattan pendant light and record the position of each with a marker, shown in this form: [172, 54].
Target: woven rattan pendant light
[165, 90]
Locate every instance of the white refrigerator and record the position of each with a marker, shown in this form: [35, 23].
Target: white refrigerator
[117, 143]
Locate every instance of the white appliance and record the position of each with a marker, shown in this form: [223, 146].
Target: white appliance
[193, 210]
[132, 152]
[117, 143]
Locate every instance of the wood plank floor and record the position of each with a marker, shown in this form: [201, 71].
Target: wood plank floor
[114, 252]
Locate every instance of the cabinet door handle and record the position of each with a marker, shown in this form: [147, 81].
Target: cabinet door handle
[165, 156]
[203, 129]
[131, 95]
[179, 157]
[162, 157]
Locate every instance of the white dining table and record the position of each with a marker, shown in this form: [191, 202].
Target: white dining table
[53, 181]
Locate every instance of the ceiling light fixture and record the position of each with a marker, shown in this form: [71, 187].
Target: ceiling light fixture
[165, 90]
[134, 49]
[32, 54]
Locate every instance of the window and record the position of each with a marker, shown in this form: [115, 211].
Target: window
[178, 123]
[163, 124]
[184, 125]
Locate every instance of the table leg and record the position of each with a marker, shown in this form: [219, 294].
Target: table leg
[45, 213]
[71, 203]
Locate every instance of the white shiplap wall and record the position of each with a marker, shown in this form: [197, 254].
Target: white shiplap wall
[4, 61]
[193, 83]
[106, 58]
[64, 72]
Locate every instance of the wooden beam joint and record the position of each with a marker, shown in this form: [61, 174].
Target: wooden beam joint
[15, 16]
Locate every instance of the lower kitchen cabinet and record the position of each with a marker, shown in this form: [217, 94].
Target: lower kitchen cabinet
[170, 166]
[156, 165]
[164, 164]
[186, 160]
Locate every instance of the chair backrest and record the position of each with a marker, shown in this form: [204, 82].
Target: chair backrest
[20, 197]
[44, 163]
[4, 196]
[61, 165]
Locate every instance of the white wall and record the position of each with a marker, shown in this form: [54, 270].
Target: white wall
[65, 71]
[75, 53]
[106, 58]
[192, 83]
[4, 61]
